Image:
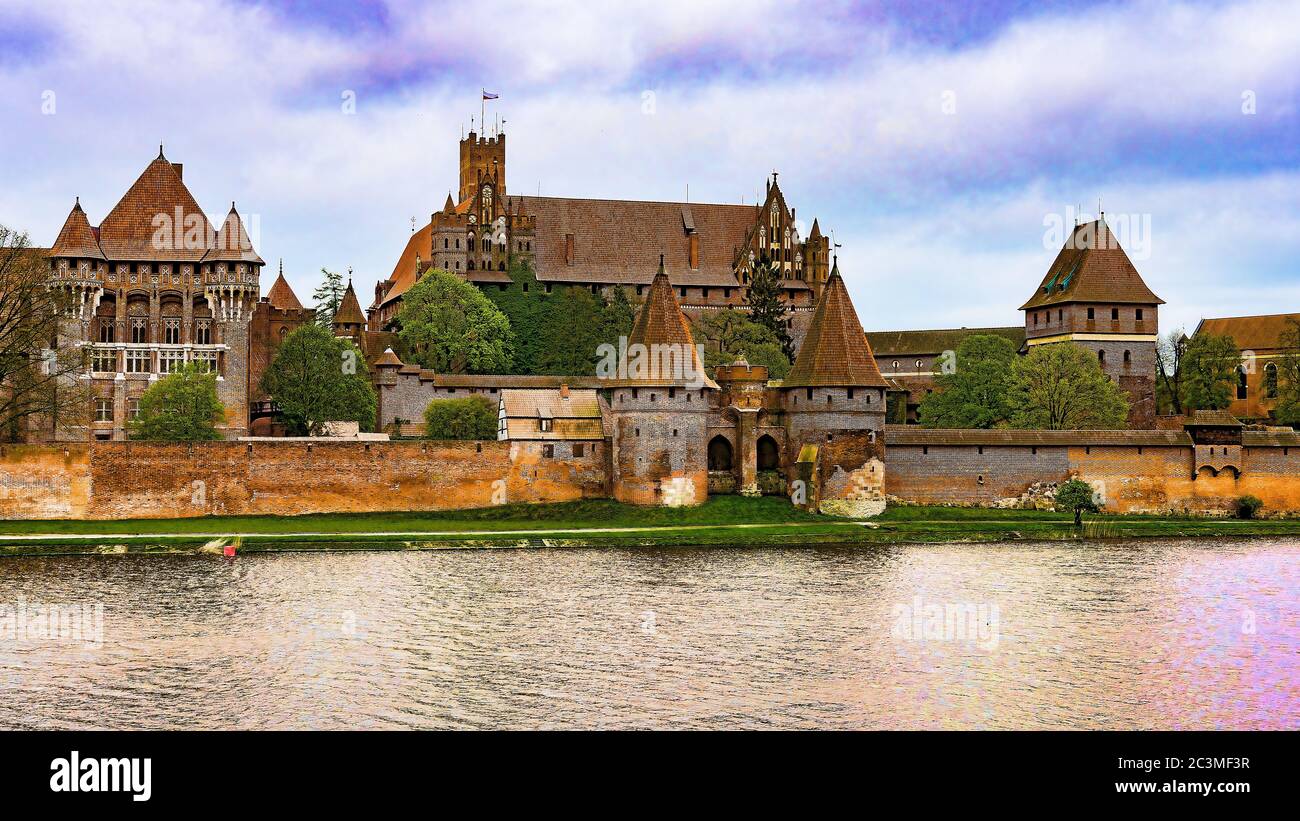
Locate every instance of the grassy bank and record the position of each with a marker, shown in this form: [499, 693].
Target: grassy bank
[722, 521]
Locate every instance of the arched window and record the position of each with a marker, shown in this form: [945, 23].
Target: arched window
[719, 453]
[769, 456]
[1128, 357]
[1101, 357]
[1241, 382]
[1270, 381]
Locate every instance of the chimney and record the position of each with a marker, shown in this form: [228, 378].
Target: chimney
[568, 249]
[180, 170]
[694, 240]
[564, 391]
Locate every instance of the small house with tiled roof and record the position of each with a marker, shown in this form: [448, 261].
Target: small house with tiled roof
[1093, 296]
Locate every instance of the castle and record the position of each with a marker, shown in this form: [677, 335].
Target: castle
[156, 286]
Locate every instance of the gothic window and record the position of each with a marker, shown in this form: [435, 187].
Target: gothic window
[202, 332]
[1241, 382]
[137, 362]
[105, 330]
[170, 361]
[1270, 381]
[139, 331]
[172, 331]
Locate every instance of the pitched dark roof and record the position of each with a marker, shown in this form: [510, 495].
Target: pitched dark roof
[282, 296]
[934, 342]
[661, 322]
[1255, 333]
[618, 241]
[77, 238]
[1213, 419]
[404, 274]
[349, 312]
[835, 351]
[1271, 438]
[1092, 267]
[232, 243]
[128, 232]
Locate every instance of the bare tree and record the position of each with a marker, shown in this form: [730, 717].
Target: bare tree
[40, 380]
[1169, 369]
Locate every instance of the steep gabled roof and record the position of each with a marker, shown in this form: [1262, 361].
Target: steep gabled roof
[662, 323]
[1092, 267]
[158, 200]
[349, 312]
[404, 274]
[77, 238]
[282, 296]
[1254, 333]
[835, 351]
[233, 244]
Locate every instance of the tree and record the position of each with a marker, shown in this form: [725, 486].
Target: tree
[474, 417]
[181, 407]
[572, 329]
[618, 316]
[1209, 372]
[1076, 496]
[316, 378]
[1170, 351]
[975, 391]
[729, 335]
[1062, 387]
[766, 306]
[1287, 410]
[524, 304]
[448, 325]
[39, 383]
[328, 296]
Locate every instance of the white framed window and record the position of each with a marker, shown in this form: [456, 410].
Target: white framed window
[133, 408]
[202, 332]
[104, 360]
[206, 359]
[172, 331]
[138, 362]
[170, 361]
[139, 330]
[103, 410]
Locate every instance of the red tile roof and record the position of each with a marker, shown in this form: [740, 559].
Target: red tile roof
[349, 312]
[282, 296]
[1253, 333]
[1092, 267]
[158, 200]
[404, 274]
[835, 351]
[233, 244]
[77, 238]
[913, 343]
[661, 322]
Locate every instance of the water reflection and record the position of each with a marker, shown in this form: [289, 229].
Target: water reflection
[1158, 635]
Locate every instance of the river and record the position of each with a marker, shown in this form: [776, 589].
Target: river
[1161, 634]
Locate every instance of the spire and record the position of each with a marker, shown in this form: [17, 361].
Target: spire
[349, 312]
[661, 323]
[233, 243]
[448, 206]
[77, 239]
[835, 351]
[281, 295]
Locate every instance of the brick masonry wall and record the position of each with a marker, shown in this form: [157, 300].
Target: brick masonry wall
[116, 480]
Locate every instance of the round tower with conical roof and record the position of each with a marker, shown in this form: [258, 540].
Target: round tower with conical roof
[659, 406]
[834, 400]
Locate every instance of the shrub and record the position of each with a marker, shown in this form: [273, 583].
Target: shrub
[474, 417]
[1075, 496]
[1248, 506]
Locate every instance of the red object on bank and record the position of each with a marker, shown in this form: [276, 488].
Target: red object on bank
[229, 550]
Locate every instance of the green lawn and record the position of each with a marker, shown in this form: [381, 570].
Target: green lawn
[723, 520]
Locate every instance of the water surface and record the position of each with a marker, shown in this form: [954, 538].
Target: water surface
[1196, 634]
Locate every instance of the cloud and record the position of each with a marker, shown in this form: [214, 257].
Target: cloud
[940, 214]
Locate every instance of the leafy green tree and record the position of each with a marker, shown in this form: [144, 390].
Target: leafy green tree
[1209, 372]
[975, 391]
[180, 407]
[766, 306]
[572, 329]
[448, 325]
[618, 317]
[1062, 387]
[474, 417]
[1076, 496]
[316, 378]
[328, 296]
[1287, 410]
[728, 335]
[524, 304]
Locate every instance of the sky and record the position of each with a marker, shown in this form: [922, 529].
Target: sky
[943, 144]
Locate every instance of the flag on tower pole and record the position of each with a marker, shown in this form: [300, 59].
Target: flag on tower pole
[482, 108]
